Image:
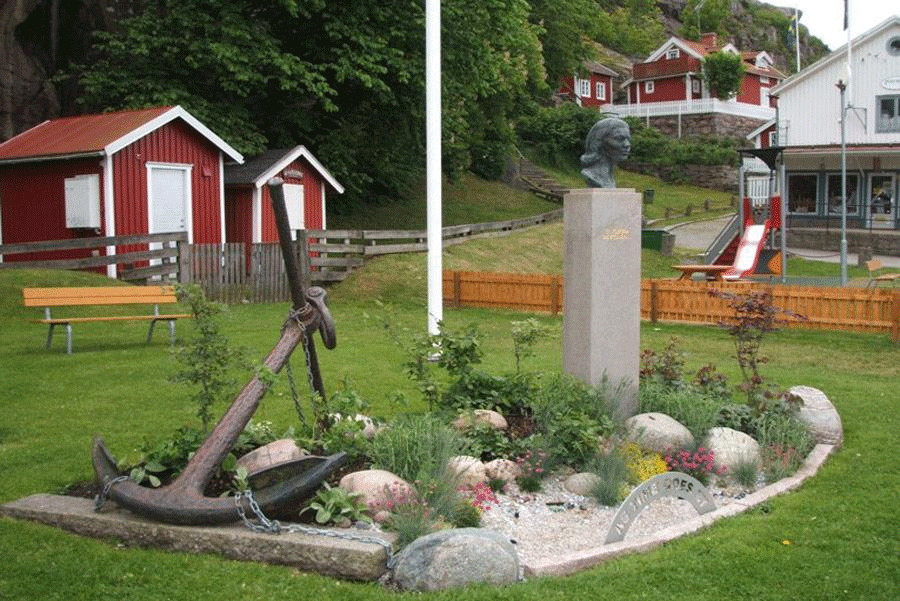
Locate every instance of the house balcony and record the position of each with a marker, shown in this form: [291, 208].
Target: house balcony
[666, 68]
[690, 107]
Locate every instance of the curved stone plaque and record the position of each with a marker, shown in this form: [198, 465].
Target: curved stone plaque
[670, 484]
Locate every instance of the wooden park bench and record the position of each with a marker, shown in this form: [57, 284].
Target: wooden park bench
[101, 296]
[875, 277]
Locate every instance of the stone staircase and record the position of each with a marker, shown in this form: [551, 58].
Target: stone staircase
[539, 182]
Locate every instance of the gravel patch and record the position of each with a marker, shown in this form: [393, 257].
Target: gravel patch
[555, 522]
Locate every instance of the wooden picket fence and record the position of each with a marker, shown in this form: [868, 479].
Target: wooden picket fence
[671, 300]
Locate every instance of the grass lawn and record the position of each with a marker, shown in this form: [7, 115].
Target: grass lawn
[836, 538]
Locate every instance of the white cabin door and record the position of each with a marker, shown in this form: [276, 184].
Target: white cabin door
[169, 198]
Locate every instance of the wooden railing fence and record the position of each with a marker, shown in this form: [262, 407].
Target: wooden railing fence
[160, 261]
[671, 300]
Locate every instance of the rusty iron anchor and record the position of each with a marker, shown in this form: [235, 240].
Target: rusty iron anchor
[183, 500]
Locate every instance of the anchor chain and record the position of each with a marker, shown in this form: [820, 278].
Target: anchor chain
[266, 526]
[108, 483]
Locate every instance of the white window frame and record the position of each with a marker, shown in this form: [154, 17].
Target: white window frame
[695, 86]
[673, 53]
[600, 91]
[891, 125]
[584, 87]
[649, 87]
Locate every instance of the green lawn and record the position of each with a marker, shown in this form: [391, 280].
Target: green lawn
[836, 538]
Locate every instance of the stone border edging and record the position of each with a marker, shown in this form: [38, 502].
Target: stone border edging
[326, 555]
[586, 559]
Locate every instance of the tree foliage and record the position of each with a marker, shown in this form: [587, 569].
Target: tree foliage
[344, 78]
[723, 73]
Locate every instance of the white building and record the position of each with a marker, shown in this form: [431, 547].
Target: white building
[809, 127]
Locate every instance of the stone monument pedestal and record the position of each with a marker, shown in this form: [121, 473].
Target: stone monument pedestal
[602, 271]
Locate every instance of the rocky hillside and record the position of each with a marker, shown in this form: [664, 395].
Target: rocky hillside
[752, 25]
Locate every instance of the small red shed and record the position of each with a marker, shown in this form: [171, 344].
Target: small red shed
[248, 205]
[129, 172]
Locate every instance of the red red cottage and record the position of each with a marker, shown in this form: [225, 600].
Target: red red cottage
[248, 205]
[129, 172]
[595, 89]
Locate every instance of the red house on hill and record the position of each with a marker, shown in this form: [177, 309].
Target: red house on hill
[129, 172]
[248, 204]
[595, 89]
[674, 72]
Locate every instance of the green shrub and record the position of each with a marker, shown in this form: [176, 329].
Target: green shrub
[415, 447]
[612, 471]
[696, 411]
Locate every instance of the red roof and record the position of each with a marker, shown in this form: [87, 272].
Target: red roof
[102, 134]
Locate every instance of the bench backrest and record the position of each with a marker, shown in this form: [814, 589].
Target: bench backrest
[103, 295]
[874, 265]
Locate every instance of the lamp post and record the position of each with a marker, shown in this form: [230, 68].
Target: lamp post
[843, 88]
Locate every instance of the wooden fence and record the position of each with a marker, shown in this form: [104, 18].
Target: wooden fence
[670, 300]
[336, 253]
[138, 257]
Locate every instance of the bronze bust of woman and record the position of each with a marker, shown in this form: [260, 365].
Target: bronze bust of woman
[608, 143]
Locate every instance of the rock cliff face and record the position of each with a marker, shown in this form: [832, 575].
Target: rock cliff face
[40, 40]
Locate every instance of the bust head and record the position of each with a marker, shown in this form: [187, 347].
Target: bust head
[607, 144]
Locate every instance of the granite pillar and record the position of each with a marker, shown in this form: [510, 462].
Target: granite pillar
[602, 271]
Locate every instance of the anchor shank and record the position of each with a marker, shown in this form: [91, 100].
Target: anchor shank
[221, 440]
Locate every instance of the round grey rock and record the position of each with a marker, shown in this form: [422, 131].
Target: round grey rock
[455, 558]
[657, 432]
[732, 447]
[820, 415]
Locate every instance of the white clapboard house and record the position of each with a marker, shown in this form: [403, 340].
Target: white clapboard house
[809, 128]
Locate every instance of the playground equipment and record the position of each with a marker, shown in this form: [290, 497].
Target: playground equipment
[747, 244]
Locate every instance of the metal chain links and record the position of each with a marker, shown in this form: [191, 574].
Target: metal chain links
[101, 497]
[266, 526]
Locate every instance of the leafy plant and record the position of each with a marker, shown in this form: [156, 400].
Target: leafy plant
[486, 442]
[780, 461]
[525, 333]
[533, 468]
[208, 358]
[666, 368]
[723, 73]
[336, 506]
[641, 464]
[753, 317]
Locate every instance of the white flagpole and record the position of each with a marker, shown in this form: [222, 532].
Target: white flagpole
[433, 163]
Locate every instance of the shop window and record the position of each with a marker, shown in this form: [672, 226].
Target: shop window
[887, 117]
[833, 194]
[802, 192]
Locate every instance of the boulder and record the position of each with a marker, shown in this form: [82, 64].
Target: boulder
[819, 414]
[657, 432]
[732, 447]
[274, 453]
[487, 416]
[502, 469]
[582, 483]
[469, 471]
[380, 489]
[455, 558]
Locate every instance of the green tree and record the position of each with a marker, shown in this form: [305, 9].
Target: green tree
[632, 27]
[712, 16]
[723, 73]
[344, 78]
